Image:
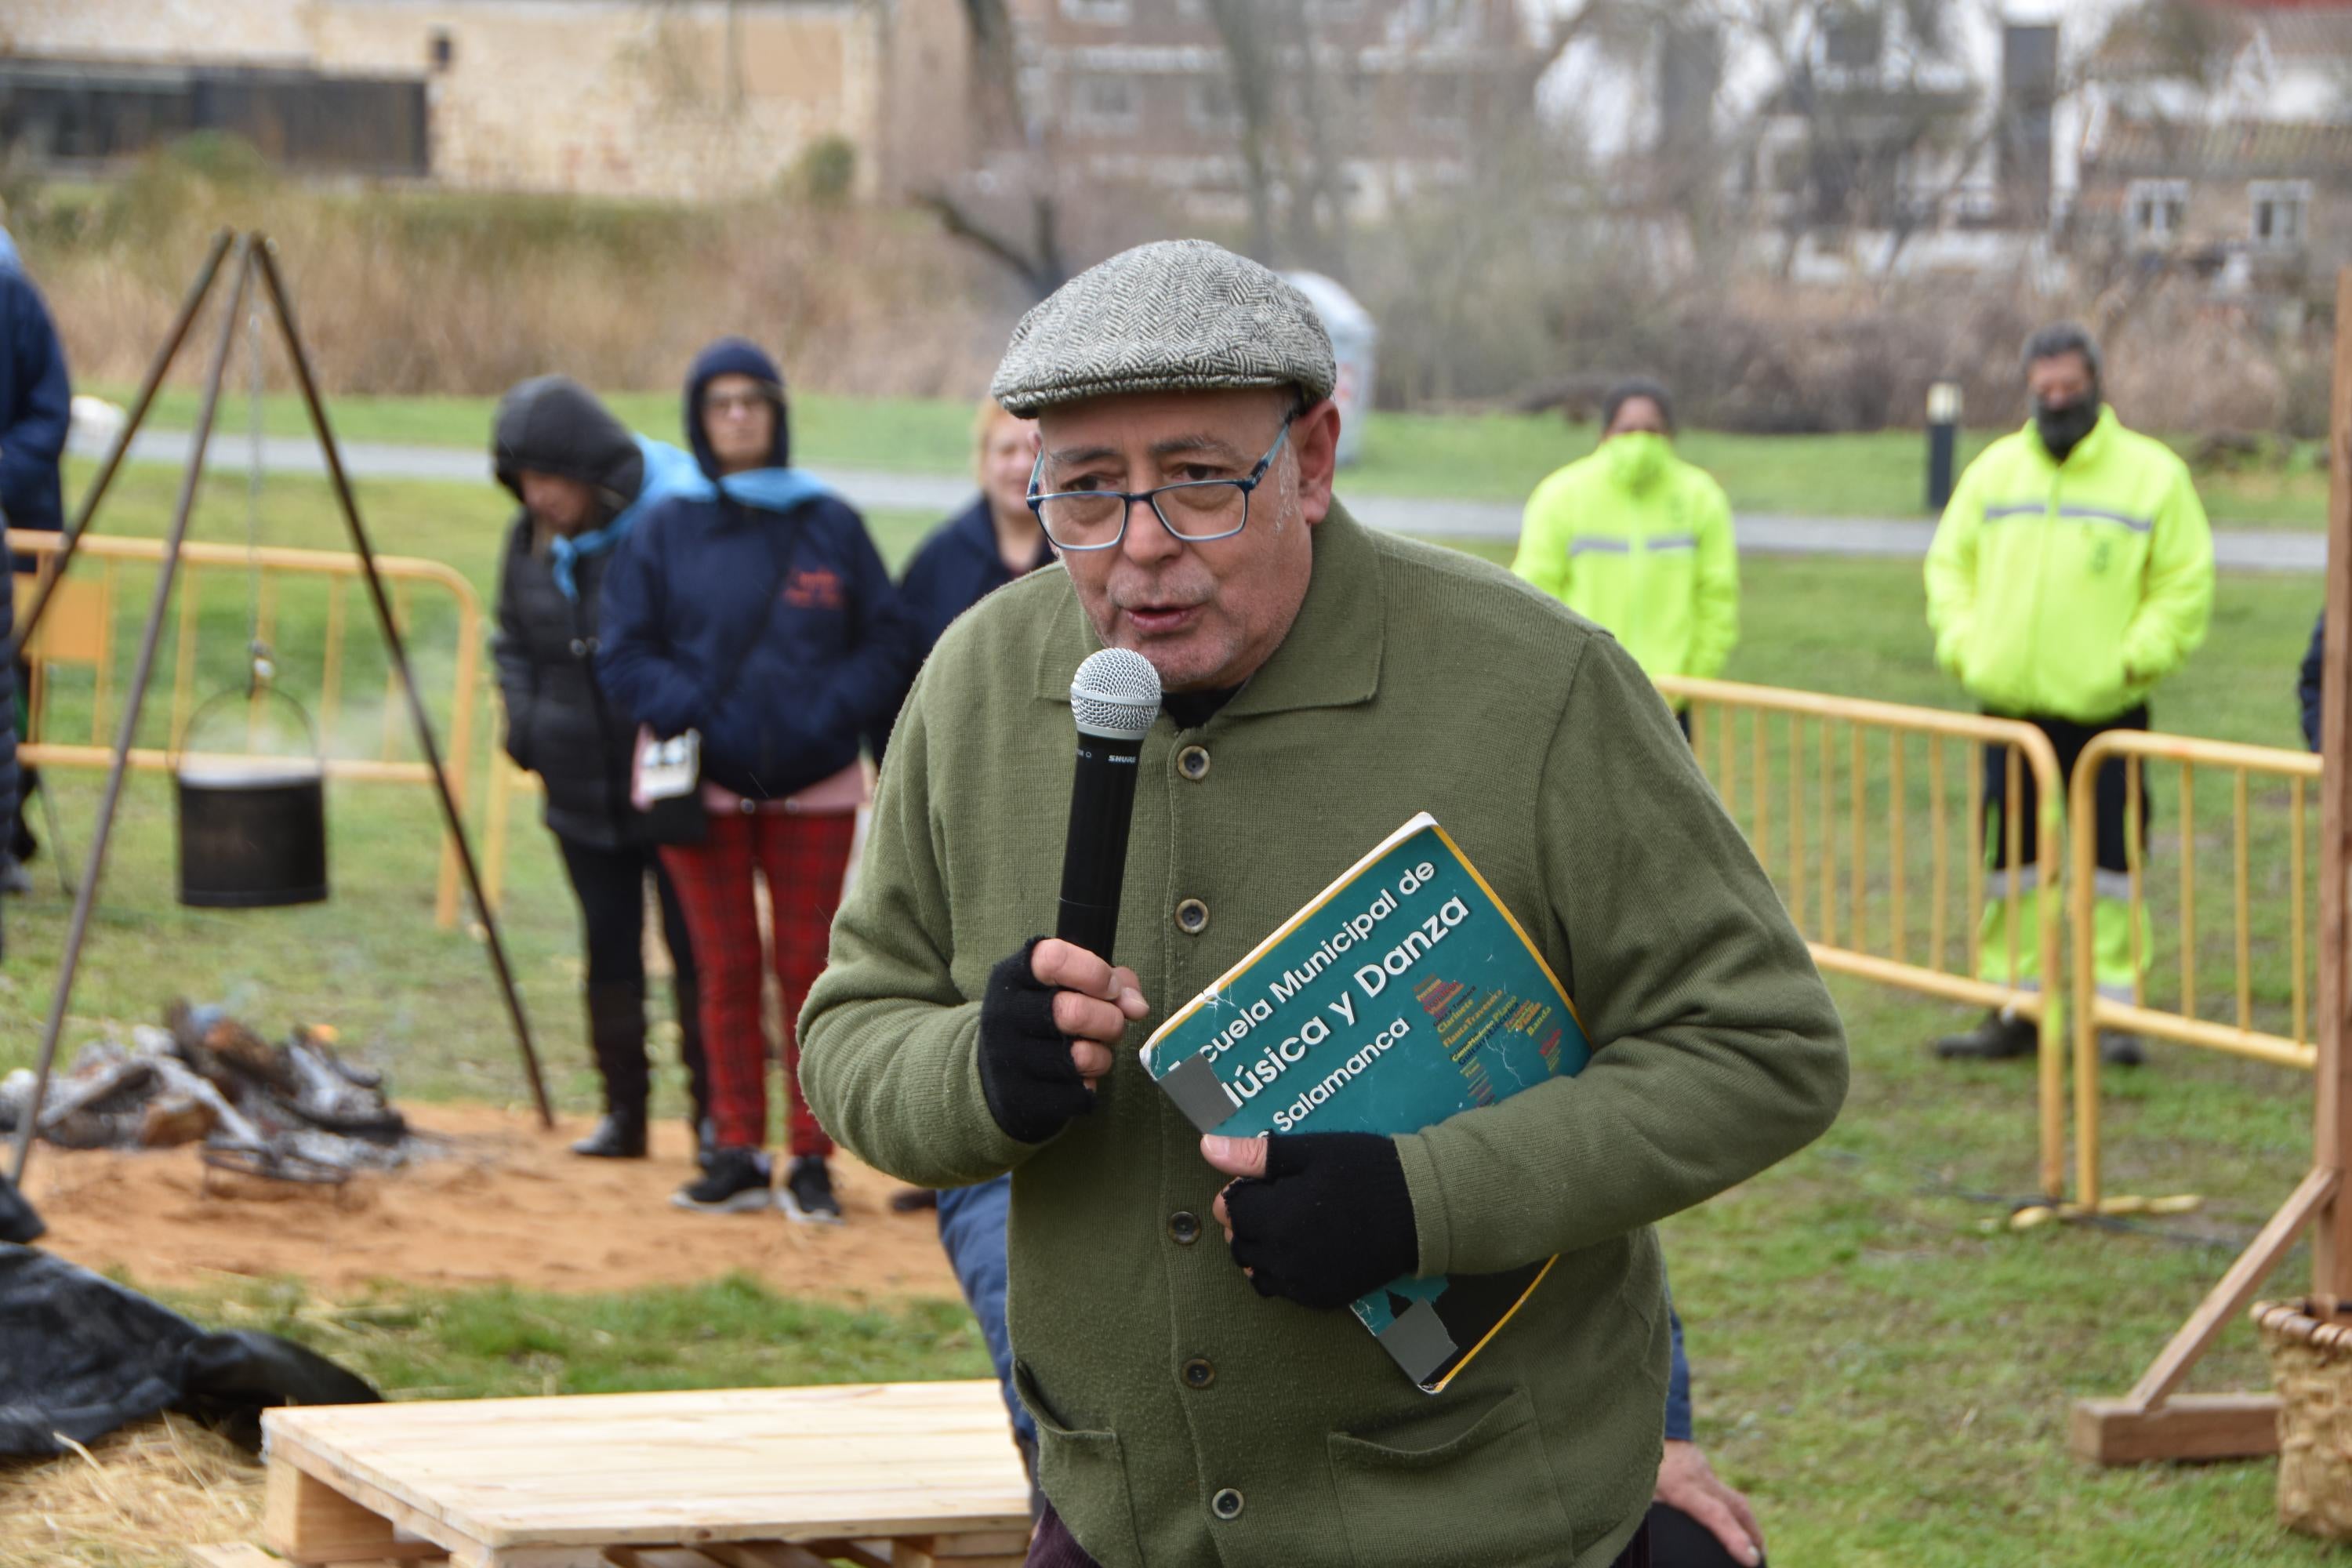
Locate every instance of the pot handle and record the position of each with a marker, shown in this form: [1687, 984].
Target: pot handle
[196, 719]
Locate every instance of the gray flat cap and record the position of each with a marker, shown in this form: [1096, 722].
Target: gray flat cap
[1181, 315]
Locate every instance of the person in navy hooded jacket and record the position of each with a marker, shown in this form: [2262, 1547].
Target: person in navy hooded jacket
[760, 617]
[36, 407]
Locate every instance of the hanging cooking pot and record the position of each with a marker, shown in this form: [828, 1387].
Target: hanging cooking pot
[253, 830]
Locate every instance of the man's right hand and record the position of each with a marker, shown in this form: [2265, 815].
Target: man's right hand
[1049, 1022]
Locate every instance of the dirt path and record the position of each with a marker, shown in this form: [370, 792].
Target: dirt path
[506, 1203]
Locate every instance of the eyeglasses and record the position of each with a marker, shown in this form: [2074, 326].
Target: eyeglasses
[1195, 511]
[725, 403]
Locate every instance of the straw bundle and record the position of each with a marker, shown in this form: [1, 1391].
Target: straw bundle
[136, 1498]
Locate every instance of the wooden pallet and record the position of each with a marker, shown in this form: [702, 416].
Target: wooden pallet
[908, 1475]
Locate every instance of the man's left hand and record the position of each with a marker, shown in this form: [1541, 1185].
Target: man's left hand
[1319, 1217]
[1687, 1481]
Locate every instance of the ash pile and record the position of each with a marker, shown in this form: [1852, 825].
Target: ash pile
[292, 1110]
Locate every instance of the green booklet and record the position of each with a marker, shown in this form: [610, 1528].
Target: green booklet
[1402, 993]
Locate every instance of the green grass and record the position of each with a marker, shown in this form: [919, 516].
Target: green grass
[1461, 457]
[733, 1333]
[1880, 1361]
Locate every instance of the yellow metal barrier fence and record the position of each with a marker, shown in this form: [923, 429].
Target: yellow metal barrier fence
[1828, 794]
[80, 631]
[2254, 999]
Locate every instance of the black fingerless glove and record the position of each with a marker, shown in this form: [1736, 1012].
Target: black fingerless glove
[1032, 1086]
[1330, 1219]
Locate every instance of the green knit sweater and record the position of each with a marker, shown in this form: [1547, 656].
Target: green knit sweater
[1414, 678]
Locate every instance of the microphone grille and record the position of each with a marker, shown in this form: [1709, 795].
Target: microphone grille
[1115, 695]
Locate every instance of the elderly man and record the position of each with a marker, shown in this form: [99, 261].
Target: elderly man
[1324, 684]
[2073, 570]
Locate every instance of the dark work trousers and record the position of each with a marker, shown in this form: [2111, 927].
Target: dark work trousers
[2068, 739]
[610, 885]
[1053, 1546]
[1678, 1541]
[2112, 945]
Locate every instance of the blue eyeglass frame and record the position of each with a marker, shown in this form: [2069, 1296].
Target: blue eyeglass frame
[1247, 485]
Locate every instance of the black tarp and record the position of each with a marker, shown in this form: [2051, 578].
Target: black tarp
[81, 1356]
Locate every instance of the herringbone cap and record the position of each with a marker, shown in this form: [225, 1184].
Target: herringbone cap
[1181, 315]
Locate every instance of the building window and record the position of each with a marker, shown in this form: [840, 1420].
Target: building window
[1853, 39]
[2157, 210]
[1209, 104]
[1104, 103]
[1690, 74]
[442, 50]
[2282, 212]
[1442, 103]
[1113, 12]
[1432, 18]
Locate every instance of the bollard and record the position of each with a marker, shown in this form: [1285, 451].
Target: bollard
[1943, 438]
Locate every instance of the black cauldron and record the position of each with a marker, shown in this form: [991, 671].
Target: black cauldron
[253, 830]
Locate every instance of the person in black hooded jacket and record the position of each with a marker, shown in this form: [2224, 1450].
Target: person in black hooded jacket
[583, 479]
[756, 613]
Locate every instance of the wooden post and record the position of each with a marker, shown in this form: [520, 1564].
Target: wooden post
[2331, 1242]
[2151, 1423]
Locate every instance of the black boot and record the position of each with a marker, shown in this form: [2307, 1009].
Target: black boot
[617, 1031]
[1999, 1038]
[698, 1066]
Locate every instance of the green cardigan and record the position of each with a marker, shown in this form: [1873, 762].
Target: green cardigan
[1414, 678]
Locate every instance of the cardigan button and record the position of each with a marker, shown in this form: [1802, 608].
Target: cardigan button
[1192, 917]
[1199, 1373]
[1192, 761]
[1226, 1504]
[1184, 1226]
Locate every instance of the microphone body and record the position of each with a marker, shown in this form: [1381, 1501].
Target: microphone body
[1114, 698]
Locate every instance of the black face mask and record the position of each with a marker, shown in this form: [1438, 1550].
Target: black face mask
[2066, 426]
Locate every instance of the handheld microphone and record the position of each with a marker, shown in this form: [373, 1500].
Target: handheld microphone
[1114, 696]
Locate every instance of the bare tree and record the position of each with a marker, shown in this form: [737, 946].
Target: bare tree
[1007, 131]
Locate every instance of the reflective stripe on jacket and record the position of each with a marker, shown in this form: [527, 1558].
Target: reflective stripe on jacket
[2070, 589]
[1657, 566]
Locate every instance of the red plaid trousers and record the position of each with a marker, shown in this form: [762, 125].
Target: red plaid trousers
[802, 859]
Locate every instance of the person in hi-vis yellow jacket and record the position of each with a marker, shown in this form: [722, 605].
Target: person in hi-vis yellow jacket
[2073, 570]
[1640, 542]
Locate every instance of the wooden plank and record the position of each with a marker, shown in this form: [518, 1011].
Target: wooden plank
[694, 1469]
[2190, 1426]
[418, 1535]
[2228, 1300]
[770, 1554]
[973, 1543]
[2331, 1248]
[232, 1556]
[309, 1521]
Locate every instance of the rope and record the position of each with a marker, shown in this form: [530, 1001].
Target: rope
[260, 668]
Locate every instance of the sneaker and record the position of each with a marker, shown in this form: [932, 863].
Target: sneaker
[2121, 1050]
[1998, 1038]
[807, 1195]
[735, 1181]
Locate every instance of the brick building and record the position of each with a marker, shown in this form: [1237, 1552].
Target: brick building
[1389, 95]
[2225, 145]
[676, 98]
